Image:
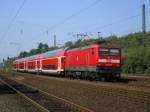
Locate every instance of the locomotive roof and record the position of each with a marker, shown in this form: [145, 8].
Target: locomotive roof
[92, 46]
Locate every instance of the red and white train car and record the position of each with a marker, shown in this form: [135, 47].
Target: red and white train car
[19, 65]
[53, 62]
[30, 64]
[49, 62]
[94, 61]
[15, 65]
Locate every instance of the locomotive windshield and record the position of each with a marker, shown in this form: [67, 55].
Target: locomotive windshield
[114, 52]
[109, 51]
[104, 51]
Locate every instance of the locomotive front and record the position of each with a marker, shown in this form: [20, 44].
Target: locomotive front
[109, 61]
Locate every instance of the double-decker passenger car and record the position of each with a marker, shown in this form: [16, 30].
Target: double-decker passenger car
[49, 62]
[93, 61]
[52, 62]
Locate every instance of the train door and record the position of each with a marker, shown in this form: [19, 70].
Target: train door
[87, 58]
[24, 65]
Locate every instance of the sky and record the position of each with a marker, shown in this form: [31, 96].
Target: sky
[22, 27]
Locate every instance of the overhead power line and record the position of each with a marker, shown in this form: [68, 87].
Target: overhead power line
[14, 43]
[70, 17]
[117, 22]
[12, 21]
[75, 14]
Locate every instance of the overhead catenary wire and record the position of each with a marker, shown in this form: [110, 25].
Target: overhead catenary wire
[70, 17]
[116, 22]
[113, 23]
[12, 21]
[79, 12]
[122, 20]
[84, 9]
[119, 21]
[75, 14]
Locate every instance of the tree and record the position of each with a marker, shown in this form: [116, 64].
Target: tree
[68, 44]
[23, 54]
[42, 47]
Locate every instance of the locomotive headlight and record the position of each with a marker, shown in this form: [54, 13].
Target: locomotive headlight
[102, 60]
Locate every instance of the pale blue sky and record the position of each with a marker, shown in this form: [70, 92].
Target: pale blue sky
[37, 17]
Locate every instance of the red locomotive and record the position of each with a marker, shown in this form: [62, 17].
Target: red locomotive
[93, 62]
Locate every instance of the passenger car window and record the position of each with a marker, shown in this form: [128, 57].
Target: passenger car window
[49, 66]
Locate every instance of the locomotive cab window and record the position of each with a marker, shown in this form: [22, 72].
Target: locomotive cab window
[114, 52]
[103, 51]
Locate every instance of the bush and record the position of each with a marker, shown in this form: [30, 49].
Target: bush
[139, 70]
[147, 71]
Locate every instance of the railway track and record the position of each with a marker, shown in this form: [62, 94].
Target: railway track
[127, 95]
[43, 101]
[123, 83]
[140, 77]
[131, 94]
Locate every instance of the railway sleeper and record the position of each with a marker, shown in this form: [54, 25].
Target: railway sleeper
[62, 104]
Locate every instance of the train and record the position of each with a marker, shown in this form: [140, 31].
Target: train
[87, 62]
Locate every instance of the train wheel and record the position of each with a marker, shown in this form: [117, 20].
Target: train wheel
[92, 76]
[67, 74]
[115, 77]
[102, 78]
[85, 75]
[97, 77]
[82, 76]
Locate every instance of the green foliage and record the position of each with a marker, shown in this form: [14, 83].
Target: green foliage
[68, 44]
[7, 64]
[40, 49]
[147, 71]
[23, 54]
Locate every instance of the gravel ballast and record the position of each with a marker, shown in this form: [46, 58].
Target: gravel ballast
[11, 102]
[95, 97]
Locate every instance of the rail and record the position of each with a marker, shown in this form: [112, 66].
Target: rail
[41, 100]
